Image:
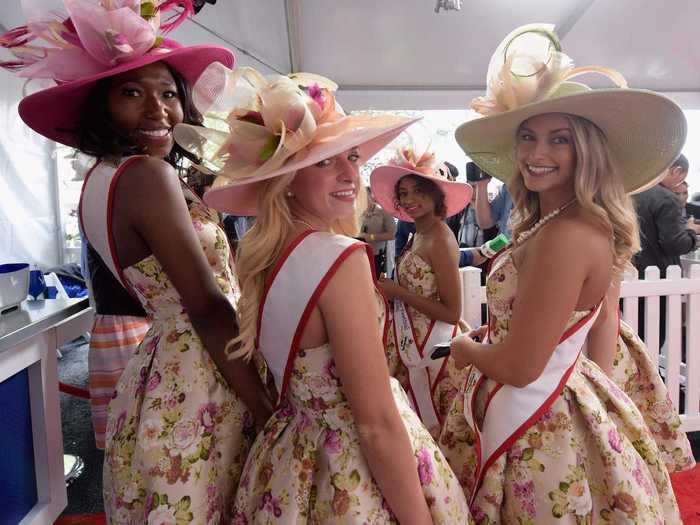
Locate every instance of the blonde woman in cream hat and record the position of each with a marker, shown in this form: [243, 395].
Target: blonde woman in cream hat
[343, 445]
[541, 434]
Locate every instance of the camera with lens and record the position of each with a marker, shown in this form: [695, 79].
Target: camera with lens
[475, 174]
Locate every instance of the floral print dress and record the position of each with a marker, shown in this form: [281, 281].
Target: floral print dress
[177, 435]
[635, 373]
[416, 275]
[589, 458]
[307, 465]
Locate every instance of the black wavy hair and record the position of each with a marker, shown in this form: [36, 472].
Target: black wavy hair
[99, 137]
[426, 187]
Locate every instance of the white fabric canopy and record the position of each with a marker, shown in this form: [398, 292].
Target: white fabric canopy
[29, 216]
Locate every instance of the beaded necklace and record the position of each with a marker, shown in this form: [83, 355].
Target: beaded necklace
[533, 229]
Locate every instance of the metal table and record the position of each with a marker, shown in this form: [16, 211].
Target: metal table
[32, 486]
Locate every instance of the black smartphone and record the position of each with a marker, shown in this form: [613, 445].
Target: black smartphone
[474, 173]
[440, 350]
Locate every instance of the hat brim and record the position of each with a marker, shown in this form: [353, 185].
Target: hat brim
[383, 183]
[55, 112]
[240, 197]
[645, 132]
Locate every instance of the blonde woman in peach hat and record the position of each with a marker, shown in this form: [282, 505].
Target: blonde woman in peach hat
[541, 434]
[343, 445]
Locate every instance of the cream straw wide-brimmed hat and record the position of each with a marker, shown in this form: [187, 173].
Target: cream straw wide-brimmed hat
[529, 75]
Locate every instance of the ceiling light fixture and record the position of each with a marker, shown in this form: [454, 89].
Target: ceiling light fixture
[448, 5]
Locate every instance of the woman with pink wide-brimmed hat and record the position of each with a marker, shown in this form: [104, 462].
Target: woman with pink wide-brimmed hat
[343, 445]
[181, 422]
[426, 296]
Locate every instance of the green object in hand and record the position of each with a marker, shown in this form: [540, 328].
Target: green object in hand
[495, 245]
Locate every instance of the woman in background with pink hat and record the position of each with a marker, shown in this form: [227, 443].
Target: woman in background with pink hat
[343, 445]
[541, 434]
[178, 432]
[426, 299]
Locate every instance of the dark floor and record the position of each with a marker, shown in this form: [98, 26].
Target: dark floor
[85, 493]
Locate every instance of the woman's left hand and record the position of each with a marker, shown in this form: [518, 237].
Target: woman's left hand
[388, 287]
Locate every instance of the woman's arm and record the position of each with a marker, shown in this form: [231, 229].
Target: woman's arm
[602, 339]
[165, 225]
[349, 309]
[550, 281]
[444, 259]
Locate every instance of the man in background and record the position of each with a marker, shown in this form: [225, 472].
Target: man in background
[664, 235]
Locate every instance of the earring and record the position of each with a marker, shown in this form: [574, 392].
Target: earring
[289, 194]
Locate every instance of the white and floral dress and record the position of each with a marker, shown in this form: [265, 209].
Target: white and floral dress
[589, 458]
[635, 373]
[307, 465]
[177, 435]
[417, 276]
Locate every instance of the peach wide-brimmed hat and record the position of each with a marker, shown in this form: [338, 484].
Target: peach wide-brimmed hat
[419, 161]
[529, 75]
[260, 128]
[89, 40]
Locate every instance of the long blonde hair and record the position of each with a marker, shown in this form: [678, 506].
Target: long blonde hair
[599, 189]
[262, 246]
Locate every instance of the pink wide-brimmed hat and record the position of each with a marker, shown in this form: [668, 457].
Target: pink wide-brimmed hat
[260, 128]
[421, 162]
[93, 40]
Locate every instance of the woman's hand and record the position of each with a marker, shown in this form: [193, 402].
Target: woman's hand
[479, 334]
[461, 349]
[388, 287]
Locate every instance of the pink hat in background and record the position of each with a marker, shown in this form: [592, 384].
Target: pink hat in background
[92, 40]
[421, 162]
[259, 128]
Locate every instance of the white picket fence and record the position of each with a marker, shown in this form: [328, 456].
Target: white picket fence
[681, 373]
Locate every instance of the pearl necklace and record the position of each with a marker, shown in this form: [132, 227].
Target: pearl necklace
[544, 220]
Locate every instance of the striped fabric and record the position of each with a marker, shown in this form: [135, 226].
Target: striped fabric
[113, 341]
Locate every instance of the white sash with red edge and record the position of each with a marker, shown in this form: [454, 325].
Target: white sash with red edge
[510, 411]
[95, 212]
[291, 295]
[423, 372]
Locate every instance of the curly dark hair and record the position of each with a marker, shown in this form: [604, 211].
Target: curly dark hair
[99, 137]
[426, 187]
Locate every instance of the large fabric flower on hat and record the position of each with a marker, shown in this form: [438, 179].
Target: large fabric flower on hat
[257, 123]
[86, 37]
[529, 66]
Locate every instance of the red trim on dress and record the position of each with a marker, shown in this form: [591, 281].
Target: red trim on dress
[536, 416]
[110, 207]
[80, 200]
[517, 434]
[294, 350]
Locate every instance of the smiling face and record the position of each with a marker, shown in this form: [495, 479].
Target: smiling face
[545, 153]
[144, 104]
[419, 197]
[328, 189]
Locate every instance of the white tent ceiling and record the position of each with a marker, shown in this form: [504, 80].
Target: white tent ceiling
[400, 54]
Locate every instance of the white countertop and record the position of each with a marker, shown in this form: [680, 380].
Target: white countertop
[34, 316]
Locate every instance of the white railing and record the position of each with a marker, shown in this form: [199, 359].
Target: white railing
[681, 372]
